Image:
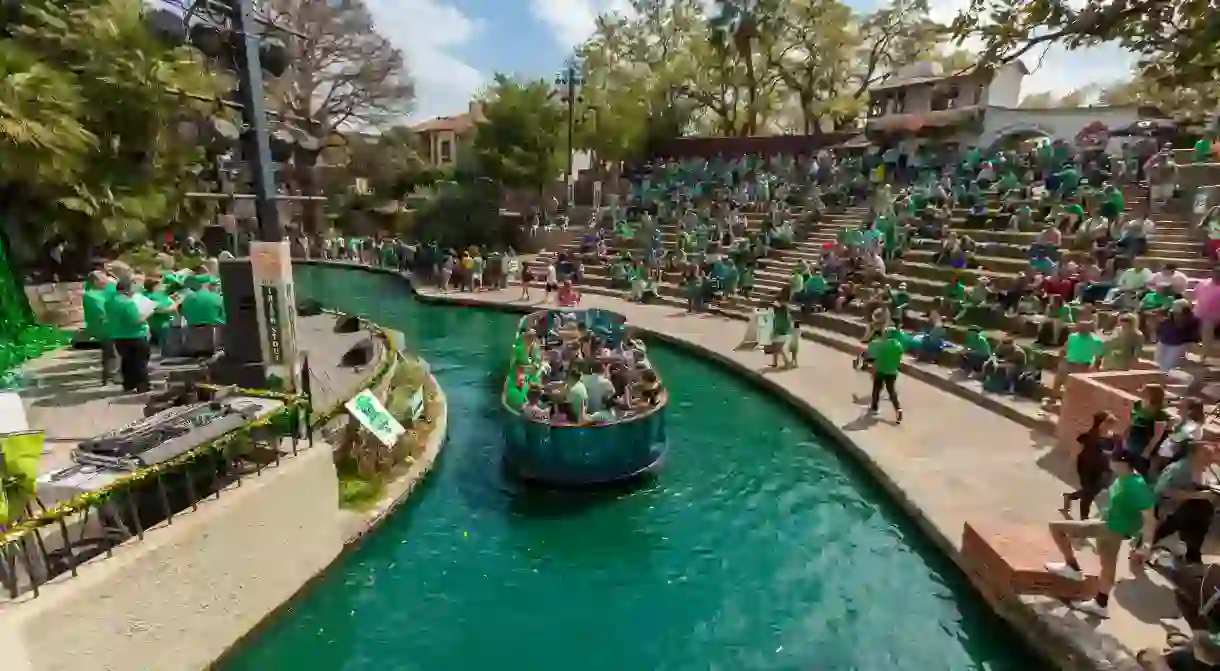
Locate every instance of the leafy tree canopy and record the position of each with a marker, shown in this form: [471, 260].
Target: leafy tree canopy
[88, 148]
[1175, 41]
[519, 144]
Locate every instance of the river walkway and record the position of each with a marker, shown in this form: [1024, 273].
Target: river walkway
[949, 462]
[68, 402]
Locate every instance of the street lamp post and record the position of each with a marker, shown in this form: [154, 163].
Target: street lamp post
[256, 142]
[568, 83]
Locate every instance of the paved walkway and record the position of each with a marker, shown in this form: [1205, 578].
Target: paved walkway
[68, 401]
[950, 459]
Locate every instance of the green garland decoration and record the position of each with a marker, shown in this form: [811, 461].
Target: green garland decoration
[21, 338]
[282, 422]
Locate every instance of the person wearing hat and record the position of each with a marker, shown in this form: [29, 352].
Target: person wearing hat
[1128, 516]
[127, 325]
[202, 306]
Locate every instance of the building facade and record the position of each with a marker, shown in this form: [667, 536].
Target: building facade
[444, 139]
[974, 108]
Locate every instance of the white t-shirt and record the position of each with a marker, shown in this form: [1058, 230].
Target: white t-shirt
[1177, 281]
[1134, 280]
[599, 389]
[552, 276]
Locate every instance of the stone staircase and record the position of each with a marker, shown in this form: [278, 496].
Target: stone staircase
[1003, 254]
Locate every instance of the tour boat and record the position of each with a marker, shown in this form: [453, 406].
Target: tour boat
[615, 445]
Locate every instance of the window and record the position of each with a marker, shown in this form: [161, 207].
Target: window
[878, 107]
[446, 151]
[944, 99]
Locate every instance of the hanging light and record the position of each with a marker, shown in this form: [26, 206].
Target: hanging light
[273, 54]
[166, 26]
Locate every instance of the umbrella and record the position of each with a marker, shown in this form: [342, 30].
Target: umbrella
[1147, 127]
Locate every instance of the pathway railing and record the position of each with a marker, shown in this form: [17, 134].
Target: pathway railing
[51, 541]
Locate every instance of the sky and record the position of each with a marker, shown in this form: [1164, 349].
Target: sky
[454, 47]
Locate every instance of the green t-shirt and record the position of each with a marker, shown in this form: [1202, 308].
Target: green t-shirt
[93, 303]
[203, 308]
[900, 299]
[515, 396]
[1084, 348]
[1130, 496]
[886, 353]
[1154, 300]
[977, 343]
[1203, 150]
[782, 326]
[123, 319]
[955, 291]
[578, 397]
[815, 283]
[159, 321]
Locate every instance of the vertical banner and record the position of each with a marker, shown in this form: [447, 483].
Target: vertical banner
[597, 194]
[275, 302]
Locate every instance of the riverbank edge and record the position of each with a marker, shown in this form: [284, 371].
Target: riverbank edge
[1069, 649]
[359, 525]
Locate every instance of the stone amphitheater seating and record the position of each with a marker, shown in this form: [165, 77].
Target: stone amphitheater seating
[1004, 257]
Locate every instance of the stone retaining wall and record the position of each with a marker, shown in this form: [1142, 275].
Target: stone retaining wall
[57, 304]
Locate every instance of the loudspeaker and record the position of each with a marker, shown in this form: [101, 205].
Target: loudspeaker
[347, 324]
[359, 355]
[242, 343]
[215, 239]
[308, 308]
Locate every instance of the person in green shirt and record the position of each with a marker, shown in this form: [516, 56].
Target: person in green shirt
[1084, 351]
[163, 314]
[886, 356]
[1128, 516]
[1203, 150]
[976, 351]
[127, 325]
[93, 304]
[203, 306]
[900, 301]
[782, 329]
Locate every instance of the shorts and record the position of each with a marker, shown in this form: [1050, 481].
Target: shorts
[1162, 191]
[1108, 542]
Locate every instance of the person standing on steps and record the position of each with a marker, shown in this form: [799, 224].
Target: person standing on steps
[1128, 516]
[886, 353]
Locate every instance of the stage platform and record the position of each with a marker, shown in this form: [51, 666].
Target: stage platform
[66, 399]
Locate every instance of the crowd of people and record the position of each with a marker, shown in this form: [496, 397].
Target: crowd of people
[129, 314]
[569, 370]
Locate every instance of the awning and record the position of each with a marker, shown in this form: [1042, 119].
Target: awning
[913, 123]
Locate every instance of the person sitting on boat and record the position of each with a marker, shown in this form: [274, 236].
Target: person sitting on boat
[575, 397]
[646, 393]
[534, 408]
[527, 351]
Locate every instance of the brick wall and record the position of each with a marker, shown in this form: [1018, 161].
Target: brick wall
[767, 145]
[57, 304]
[1088, 393]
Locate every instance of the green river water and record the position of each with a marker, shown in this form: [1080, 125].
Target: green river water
[759, 546]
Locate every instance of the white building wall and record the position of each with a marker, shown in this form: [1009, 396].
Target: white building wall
[1057, 124]
[1005, 87]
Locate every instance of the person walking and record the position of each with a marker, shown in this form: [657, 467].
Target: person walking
[1128, 516]
[1093, 463]
[886, 356]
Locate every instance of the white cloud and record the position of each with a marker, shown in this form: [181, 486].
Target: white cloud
[573, 21]
[432, 33]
